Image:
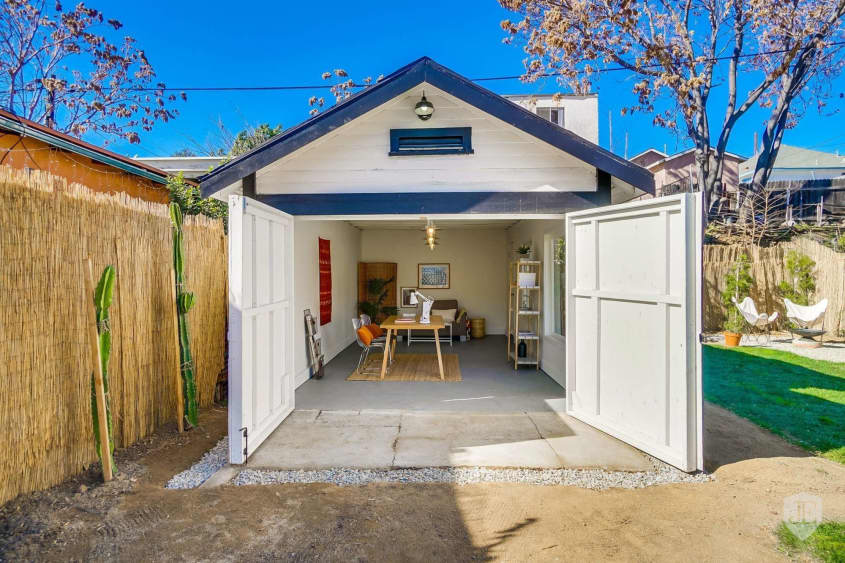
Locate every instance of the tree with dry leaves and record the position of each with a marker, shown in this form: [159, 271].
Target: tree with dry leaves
[59, 67]
[815, 37]
[679, 53]
[341, 88]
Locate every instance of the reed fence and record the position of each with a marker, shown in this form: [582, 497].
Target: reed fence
[768, 269]
[49, 227]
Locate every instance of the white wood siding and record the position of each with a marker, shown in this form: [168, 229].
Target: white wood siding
[354, 158]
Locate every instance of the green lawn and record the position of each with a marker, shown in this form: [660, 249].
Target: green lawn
[827, 543]
[801, 399]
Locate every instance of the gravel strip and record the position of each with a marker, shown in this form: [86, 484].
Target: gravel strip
[830, 351]
[595, 479]
[211, 461]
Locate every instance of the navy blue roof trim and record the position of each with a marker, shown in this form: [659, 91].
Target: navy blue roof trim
[424, 70]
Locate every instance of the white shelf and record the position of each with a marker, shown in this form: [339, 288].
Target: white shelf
[525, 320]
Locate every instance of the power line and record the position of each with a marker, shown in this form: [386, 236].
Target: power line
[480, 79]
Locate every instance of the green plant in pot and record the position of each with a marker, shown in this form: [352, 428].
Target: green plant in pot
[524, 252]
[376, 294]
[738, 282]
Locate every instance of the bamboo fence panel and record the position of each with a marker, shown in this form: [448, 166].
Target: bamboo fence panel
[205, 273]
[49, 227]
[768, 268]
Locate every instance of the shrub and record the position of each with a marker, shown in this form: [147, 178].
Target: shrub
[799, 268]
[738, 282]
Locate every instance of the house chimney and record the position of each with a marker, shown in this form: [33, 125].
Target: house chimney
[755, 142]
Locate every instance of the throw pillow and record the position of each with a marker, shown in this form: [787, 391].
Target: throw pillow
[365, 336]
[447, 314]
[375, 330]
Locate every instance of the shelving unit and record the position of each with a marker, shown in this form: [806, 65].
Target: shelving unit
[525, 312]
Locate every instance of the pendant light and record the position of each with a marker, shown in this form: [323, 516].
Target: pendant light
[430, 234]
[424, 109]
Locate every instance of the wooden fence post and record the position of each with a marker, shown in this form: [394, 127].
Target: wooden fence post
[99, 391]
[180, 398]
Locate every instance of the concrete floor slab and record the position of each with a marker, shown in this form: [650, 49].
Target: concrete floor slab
[359, 418]
[580, 445]
[481, 427]
[489, 384]
[321, 446]
[442, 439]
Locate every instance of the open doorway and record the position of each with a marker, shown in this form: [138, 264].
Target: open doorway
[474, 255]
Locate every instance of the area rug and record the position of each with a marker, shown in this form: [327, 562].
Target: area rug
[411, 367]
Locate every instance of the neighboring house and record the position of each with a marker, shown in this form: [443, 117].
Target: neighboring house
[796, 163]
[579, 114]
[28, 145]
[191, 167]
[677, 173]
[358, 183]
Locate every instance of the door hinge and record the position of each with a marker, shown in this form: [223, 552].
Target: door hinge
[245, 432]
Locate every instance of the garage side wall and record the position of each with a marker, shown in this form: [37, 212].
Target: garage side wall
[345, 251]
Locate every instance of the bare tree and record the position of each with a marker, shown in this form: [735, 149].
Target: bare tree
[57, 67]
[678, 51]
[817, 41]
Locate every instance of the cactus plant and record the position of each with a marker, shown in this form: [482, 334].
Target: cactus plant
[102, 301]
[184, 302]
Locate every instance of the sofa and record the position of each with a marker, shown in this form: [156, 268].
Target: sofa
[459, 327]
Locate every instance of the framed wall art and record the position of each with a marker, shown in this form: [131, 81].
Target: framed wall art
[405, 296]
[433, 276]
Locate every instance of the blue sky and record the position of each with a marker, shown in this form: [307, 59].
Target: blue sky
[216, 43]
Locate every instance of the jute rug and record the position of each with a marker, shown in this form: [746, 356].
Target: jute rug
[410, 367]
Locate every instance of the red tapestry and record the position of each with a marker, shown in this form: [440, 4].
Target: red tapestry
[325, 281]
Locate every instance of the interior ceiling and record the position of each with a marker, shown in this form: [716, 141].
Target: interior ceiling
[419, 224]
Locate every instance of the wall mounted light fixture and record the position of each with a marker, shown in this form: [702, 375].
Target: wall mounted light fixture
[424, 109]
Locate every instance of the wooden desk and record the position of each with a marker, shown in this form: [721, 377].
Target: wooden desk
[393, 327]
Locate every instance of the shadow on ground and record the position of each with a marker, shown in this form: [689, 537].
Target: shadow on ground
[801, 399]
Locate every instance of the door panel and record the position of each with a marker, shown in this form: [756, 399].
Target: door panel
[633, 290]
[261, 381]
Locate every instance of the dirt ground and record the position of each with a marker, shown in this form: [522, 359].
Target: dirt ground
[135, 518]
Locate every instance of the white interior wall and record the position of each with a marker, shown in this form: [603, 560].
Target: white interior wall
[534, 233]
[478, 266]
[345, 250]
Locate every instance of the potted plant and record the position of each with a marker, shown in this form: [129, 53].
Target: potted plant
[524, 252]
[376, 293]
[732, 328]
[738, 282]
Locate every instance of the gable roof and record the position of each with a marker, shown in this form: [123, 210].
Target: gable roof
[790, 156]
[27, 128]
[645, 152]
[668, 158]
[393, 85]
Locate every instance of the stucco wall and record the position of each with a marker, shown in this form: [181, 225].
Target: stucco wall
[580, 113]
[32, 153]
[679, 169]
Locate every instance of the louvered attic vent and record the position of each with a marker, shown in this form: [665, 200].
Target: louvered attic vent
[451, 140]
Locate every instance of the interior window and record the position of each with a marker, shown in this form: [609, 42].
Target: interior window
[558, 266]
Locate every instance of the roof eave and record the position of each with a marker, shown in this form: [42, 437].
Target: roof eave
[22, 129]
[423, 70]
